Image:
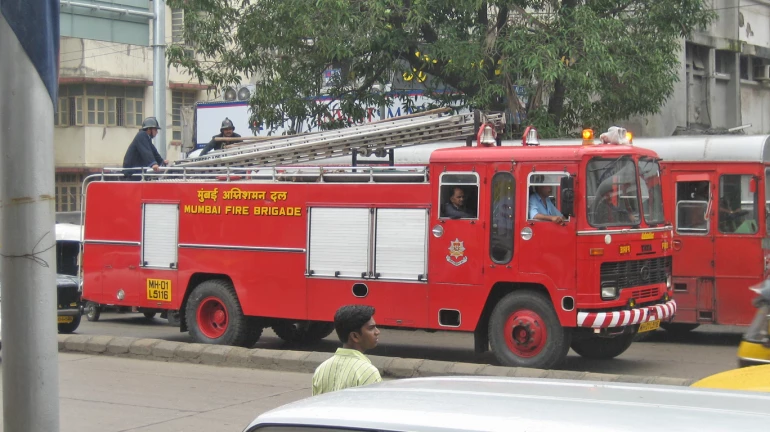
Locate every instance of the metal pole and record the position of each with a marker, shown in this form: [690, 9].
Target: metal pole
[29, 341]
[159, 73]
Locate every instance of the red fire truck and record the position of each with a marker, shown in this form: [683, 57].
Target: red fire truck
[235, 246]
[713, 187]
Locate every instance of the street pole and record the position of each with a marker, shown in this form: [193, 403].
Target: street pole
[29, 40]
[159, 73]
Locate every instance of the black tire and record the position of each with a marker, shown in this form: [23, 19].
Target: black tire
[679, 329]
[149, 315]
[598, 348]
[238, 330]
[70, 327]
[254, 333]
[93, 311]
[553, 349]
[302, 331]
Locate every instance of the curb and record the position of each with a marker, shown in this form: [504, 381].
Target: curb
[307, 361]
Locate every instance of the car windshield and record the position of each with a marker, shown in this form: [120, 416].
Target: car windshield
[612, 194]
[652, 195]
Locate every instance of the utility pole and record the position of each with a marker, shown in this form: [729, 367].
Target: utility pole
[29, 48]
[159, 73]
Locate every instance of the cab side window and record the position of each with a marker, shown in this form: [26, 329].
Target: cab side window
[459, 196]
[692, 198]
[548, 184]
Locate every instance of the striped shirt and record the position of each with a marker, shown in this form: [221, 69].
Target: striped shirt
[347, 368]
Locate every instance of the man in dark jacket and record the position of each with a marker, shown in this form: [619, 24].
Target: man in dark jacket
[227, 130]
[141, 152]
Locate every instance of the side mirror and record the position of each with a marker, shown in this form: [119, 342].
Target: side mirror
[567, 188]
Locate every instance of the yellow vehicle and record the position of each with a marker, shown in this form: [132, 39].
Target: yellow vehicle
[752, 378]
[755, 346]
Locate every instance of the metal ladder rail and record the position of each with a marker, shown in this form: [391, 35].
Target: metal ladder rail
[393, 137]
[313, 139]
[318, 136]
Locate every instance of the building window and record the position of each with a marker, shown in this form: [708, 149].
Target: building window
[68, 186]
[179, 99]
[96, 111]
[103, 106]
[62, 117]
[177, 26]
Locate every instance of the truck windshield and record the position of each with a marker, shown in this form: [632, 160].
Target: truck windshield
[612, 195]
[652, 195]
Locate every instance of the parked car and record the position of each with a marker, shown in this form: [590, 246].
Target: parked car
[755, 346]
[519, 404]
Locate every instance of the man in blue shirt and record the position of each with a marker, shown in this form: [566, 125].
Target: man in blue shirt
[541, 207]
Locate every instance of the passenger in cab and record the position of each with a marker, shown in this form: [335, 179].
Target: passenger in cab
[455, 208]
[541, 207]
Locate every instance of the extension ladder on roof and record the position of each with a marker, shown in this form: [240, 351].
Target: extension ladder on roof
[372, 138]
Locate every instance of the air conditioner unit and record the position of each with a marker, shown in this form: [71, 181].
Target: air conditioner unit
[762, 73]
[240, 93]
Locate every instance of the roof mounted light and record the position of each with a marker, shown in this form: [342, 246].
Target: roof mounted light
[487, 136]
[530, 137]
[588, 136]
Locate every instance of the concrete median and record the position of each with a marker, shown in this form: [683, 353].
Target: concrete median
[307, 361]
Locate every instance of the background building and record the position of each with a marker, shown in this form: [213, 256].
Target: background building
[105, 91]
[724, 79]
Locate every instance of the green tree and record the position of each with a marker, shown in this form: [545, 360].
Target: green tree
[581, 62]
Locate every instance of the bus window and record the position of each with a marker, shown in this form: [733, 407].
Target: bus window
[692, 199]
[737, 205]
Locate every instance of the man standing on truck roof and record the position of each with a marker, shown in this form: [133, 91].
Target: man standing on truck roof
[349, 367]
[226, 131]
[141, 152]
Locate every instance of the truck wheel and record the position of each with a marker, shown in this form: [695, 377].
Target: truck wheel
[302, 331]
[149, 315]
[253, 335]
[93, 311]
[679, 329]
[71, 326]
[598, 348]
[524, 331]
[214, 315]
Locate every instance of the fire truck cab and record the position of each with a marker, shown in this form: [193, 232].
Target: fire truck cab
[456, 245]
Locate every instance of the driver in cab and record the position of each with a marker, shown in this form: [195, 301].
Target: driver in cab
[541, 207]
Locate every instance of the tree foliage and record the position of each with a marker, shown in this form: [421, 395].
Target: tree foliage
[580, 62]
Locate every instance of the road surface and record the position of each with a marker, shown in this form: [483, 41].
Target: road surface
[706, 351]
[110, 394]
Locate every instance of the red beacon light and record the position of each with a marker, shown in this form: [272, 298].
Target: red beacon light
[530, 137]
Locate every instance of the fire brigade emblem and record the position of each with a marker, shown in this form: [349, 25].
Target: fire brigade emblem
[456, 256]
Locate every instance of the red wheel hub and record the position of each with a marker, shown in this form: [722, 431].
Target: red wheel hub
[212, 317]
[525, 333]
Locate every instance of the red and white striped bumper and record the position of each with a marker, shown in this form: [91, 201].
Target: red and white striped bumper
[628, 317]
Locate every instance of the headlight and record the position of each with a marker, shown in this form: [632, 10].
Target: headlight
[609, 293]
[668, 282]
[80, 287]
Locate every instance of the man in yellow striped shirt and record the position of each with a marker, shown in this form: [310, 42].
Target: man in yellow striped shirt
[349, 367]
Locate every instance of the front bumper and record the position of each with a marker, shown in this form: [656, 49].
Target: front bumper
[663, 312]
[69, 312]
